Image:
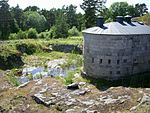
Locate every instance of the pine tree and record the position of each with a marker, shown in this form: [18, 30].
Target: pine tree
[92, 8]
[5, 20]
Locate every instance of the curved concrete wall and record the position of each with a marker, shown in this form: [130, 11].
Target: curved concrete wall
[111, 57]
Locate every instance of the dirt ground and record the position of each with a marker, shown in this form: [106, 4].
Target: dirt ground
[58, 99]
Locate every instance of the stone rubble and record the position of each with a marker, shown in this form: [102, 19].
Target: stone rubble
[145, 98]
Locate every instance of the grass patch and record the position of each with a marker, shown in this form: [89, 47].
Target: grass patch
[145, 19]
[70, 41]
[12, 79]
[41, 58]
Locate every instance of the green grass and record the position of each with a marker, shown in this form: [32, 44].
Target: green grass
[25, 47]
[145, 19]
[10, 45]
[12, 79]
[70, 40]
[41, 58]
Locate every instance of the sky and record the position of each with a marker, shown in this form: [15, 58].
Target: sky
[48, 4]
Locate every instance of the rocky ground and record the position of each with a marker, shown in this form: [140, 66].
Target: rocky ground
[49, 95]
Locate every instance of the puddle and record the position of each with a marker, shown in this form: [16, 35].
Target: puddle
[53, 69]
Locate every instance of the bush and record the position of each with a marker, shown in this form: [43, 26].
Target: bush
[73, 31]
[44, 35]
[13, 79]
[21, 35]
[109, 20]
[60, 30]
[69, 77]
[32, 33]
[13, 36]
[26, 48]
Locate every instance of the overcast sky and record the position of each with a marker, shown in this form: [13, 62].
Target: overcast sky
[48, 4]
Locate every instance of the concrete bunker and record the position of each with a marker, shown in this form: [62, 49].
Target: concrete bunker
[116, 49]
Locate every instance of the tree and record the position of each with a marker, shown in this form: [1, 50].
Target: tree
[35, 20]
[105, 13]
[71, 16]
[121, 9]
[14, 28]
[81, 22]
[131, 11]
[60, 30]
[5, 19]
[17, 14]
[141, 9]
[50, 17]
[91, 8]
[32, 8]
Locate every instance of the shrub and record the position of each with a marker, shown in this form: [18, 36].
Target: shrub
[69, 77]
[109, 20]
[13, 79]
[42, 35]
[30, 77]
[13, 36]
[21, 35]
[26, 48]
[32, 33]
[73, 31]
[60, 30]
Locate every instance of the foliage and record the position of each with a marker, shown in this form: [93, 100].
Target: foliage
[145, 19]
[35, 20]
[141, 9]
[73, 31]
[18, 15]
[60, 30]
[12, 36]
[22, 35]
[32, 33]
[13, 79]
[109, 20]
[14, 28]
[105, 13]
[29, 48]
[5, 20]
[120, 9]
[9, 57]
[91, 7]
[45, 35]
[69, 40]
[32, 8]
[71, 16]
[81, 22]
[30, 77]
[69, 77]
[50, 17]
[42, 35]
